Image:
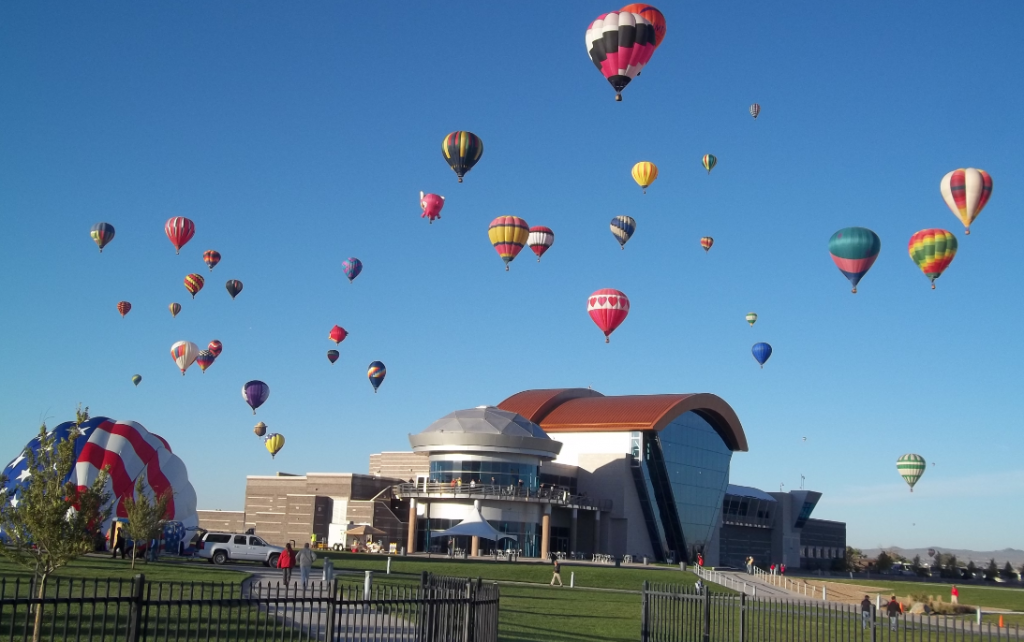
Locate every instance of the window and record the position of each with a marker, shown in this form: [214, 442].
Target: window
[217, 538]
[255, 541]
[240, 540]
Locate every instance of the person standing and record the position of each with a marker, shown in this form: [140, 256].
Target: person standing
[954, 595]
[865, 612]
[286, 561]
[782, 569]
[772, 569]
[893, 609]
[305, 559]
[700, 560]
[558, 574]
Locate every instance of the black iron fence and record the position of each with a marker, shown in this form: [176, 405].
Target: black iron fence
[444, 610]
[674, 613]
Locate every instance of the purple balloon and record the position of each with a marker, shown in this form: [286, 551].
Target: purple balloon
[255, 393]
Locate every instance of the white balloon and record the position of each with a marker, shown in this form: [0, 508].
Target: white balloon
[184, 354]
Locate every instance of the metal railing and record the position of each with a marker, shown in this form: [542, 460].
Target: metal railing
[439, 610]
[677, 613]
[496, 491]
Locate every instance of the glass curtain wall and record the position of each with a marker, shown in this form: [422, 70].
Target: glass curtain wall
[528, 535]
[486, 472]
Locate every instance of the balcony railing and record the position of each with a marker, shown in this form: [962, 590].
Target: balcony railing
[554, 496]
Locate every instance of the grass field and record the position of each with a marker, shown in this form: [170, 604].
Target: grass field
[984, 596]
[102, 567]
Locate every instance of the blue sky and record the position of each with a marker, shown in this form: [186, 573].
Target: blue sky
[298, 134]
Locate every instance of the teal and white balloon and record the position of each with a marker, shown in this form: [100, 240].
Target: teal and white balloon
[911, 467]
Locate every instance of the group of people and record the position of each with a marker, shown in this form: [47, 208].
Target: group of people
[289, 559]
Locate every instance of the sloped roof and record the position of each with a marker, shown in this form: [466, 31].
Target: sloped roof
[585, 410]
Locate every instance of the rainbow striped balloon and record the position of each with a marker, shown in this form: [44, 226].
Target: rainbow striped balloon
[933, 250]
[709, 161]
[508, 235]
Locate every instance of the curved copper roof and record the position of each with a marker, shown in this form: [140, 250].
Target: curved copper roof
[584, 410]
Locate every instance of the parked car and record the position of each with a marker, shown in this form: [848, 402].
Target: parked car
[219, 548]
[902, 568]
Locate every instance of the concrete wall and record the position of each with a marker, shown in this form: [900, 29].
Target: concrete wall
[399, 465]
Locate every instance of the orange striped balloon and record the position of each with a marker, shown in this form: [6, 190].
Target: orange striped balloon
[706, 242]
[933, 250]
[124, 308]
[194, 283]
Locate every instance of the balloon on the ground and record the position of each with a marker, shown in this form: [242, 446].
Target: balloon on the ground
[205, 359]
[622, 228]
[854, 250]
[136, 379]
[129, 452]
[706, 242]
[620, 43]
[211, 258]
[102, 233]
[175, 308]
[709, 161]
[541, 238]
[932, 250]
[755, 109]
[761, 352]
[332, 355]
[911, 467]
[462, 150]
[124, 308]
[653, 16]
[184, 354]
[645, 173]
[180, 231]
[352, 267]
[337, 334]
[508, 235]
[431, 205]
[274, 443]
[233, 286]
[194, 283]
[751, 318]
[966, 192]
[255, 393]
[375, 373]
[215, 347]
[260, 429]
[608, 308]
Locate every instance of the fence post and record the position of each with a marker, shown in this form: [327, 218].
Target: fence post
[331, 609]
[368, 586]
[424, 578]
[470, 617]
[135, 609]
[824, 593]
[874, 619]
[644, 617]
[707, 615]
[743, 617]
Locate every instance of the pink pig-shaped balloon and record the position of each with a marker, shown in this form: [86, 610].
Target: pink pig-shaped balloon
[431, 204]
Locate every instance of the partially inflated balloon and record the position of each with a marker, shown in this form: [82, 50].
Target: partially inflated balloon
[462, 150]
[645, 173]
[933, 250]
[540, 239]
[620, 43]
[911, 467]
[124, 308]
[706, 242]
[709, 161]
[332, 355]
[352, 267]
[854, 250]
[255, 393]
[653, 16]
[194, 283]
[755, 109]
[274, 443]
[761, 352]
[211, 258]
[966, 192]
[184, 354]
[623, 228]
[508, 235]
[375, 373]
[608, 308]
[431, 205]
[337, 334]
[180, 231]
[260, 429]
[175, 308]
[233, 286]
[136, 379]
[102, 233]
[751, 318]
[215, 347]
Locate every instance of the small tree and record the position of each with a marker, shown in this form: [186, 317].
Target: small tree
[884, 562]
[972, 569]
[917, 566]
[50, 522]
[950, 566]
[992, 570]
[1007, 571]
[853, 558]
[145, 516]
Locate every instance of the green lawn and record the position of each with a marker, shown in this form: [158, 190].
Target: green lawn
[103, 567]
[984, 596]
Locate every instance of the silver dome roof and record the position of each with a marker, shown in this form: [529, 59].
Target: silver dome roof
[487, 420]
[485, 430]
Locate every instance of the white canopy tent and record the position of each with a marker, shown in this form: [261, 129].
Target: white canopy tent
[474, 525]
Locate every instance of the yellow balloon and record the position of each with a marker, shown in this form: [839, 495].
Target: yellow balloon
[644, 174]
[274, 443]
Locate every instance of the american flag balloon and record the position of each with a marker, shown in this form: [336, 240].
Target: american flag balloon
[131, 452]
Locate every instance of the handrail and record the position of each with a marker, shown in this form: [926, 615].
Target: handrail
[489, 491]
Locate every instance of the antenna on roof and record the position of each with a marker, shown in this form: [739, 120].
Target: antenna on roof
[801, 482]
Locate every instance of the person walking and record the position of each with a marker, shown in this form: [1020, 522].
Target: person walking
[772, 568]
[305, 559]
[286, 561]
[954, 595]
[558, 574]
[865, 612]
[119, 544]
[893, 609]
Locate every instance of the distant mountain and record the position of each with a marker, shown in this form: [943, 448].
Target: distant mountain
[1014, 556]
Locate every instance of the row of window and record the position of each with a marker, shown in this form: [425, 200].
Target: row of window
[485, 472]
[821, 552]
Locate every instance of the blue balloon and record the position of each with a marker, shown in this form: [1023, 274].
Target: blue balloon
[761, 352]
[352, 267]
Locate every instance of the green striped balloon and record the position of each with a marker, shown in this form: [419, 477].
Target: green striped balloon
[911, 467]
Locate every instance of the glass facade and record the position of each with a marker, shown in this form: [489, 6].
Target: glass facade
[485, 472]
[528, 535]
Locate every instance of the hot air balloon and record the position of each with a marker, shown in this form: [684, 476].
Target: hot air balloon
[215, 347]
[124, 308]
[234, 287]
[751, 318]
[260, 429]
[462, 150]
[184, 354]
[645, 173]
[623, 228]
[620, 43]
[854, 250]
[706, 242]
[761, 352]
[337, 334]
[709, 161]
[180, 231]
[540, 239]
[653, 16]
[608, 308]
[431, 205]
[211, 258]
[175, 308]
[352, 267]
[508, 234]
[205, 359]
[102, 233]
[933, 250]
[332, 355]
[136, 379]
[255, 393]
[194, 283]
[755, 109]
[911, 467]
[376, 373]
[966, 192]
[274, 443]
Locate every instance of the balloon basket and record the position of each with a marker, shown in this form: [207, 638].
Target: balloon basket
[933, 286]
[607, 340]
[506, 267]
[966, 231]
[460, 179]
[618, 98]
[254, 411]
[854, 290]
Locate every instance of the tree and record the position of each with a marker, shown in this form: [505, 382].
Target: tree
[950, 566]
[884, 562]
[972, 569]
[992, 570]
[51, 522]
[146, 516]
[918, 567]
[853, 558]
[1007, 572]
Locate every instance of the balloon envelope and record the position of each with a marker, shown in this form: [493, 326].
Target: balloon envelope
[233, 286]
[755, 109]
[211, 258]
[608, 308]
[175, 308]
[352, 267]
[124, 308]
[462, 150]
[180, 231]
[911, 467]
[653, 16]
[623, 228]
[255, 393]
[136, 379]
[540, 239]
[194, 283]
[761, 352]
[706, 242]
[751, 318]
[337, 334]
[215, 347]
[508, 235]
[932, 250]
[376, 373]
[854, 250]
[102, 233]
[260, 429]
[645, 173]
[274, 443]
[184, 354]
[620, 43]
[966, 192]
[332, 355]
[431, 205]
[205, 359]
[709, 161]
